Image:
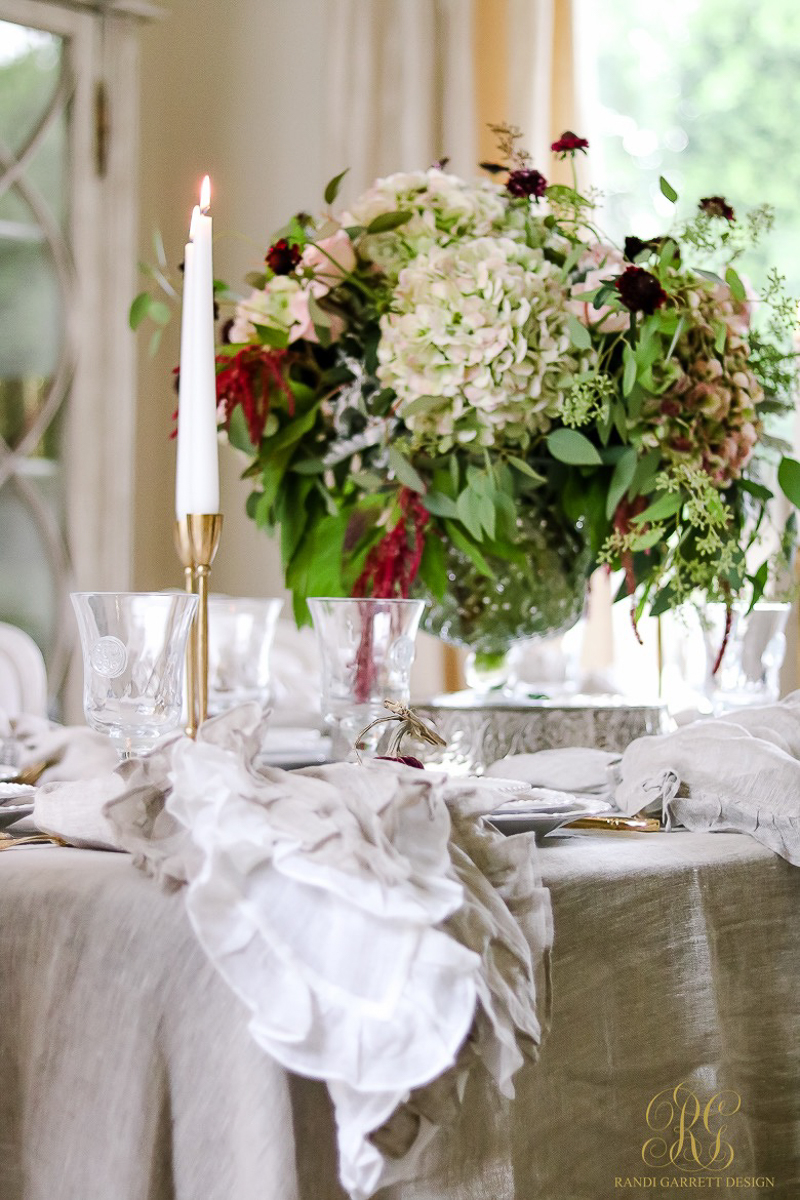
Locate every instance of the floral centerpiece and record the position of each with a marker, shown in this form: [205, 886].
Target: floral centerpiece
[464, 390]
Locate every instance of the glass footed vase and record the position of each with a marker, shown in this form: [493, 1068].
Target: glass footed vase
[540, 594]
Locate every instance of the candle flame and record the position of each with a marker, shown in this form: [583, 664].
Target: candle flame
[193, 222]
[205, 194]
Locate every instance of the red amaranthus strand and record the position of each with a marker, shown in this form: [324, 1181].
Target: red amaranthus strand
[725, 638]
[392, 565]
[248, 378]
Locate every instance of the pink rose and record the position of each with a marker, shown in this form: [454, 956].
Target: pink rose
[304, 326]
[329, 259]
[602, 263]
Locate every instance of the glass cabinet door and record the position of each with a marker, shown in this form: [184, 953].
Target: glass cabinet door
[36, 282]
[68, 186]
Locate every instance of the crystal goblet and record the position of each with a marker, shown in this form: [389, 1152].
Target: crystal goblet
[240, 635]
[367, 648]
[134, 650]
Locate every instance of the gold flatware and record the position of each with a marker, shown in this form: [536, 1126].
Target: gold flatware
[9, 842]
[631, 824]
[31, 774]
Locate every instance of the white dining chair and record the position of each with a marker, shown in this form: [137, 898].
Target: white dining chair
[23, 677]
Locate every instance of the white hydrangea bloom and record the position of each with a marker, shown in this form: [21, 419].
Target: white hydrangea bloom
[481, 327]
[269, 306]
[444, 208]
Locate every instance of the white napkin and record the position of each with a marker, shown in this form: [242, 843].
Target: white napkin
[576, 769]
[75, 751]
[74, 811]
[740, 772]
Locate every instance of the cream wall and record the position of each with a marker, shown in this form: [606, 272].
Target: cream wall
[235, 90]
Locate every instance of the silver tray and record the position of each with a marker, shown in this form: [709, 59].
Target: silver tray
[478, 735]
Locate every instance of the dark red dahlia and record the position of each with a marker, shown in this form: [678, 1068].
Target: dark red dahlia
[526, 183]
[282, 257]
[717, 206]
[569, 143]
[639, 290]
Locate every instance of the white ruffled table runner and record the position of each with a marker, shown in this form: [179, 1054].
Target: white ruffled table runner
[383, 938]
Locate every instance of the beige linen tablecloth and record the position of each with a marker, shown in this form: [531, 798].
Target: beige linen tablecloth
[127, 1072]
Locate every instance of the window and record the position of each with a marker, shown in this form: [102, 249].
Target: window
[67, 254]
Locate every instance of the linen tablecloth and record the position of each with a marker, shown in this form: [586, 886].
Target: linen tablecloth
[127, 1072]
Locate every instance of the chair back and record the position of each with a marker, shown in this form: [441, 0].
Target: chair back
[23, 677]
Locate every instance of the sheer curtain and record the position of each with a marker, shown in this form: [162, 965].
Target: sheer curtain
[400, 86]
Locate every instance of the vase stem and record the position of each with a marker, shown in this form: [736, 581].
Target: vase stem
[494, 673]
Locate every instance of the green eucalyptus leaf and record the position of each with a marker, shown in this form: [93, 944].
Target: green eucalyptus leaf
[678, 331]
[139, 309]
[468, 510]
[309, 466]
[404, 471]
[526, 468]
[578, 334]
[332, 188]
[320, 320]
[467, 546]
[646, 470]
[645, 541]
[433, 565]
[571, 446]
[439, 505]
[735, 284]
[387, 221]
[255, 279]
[293, 517]
[755, 489]
[621, 480]
[665, 505]
[488, 514]
[667, 189]
[629, 370]
[789, 479]
[759, 582]
[277, 339]
[238, 434]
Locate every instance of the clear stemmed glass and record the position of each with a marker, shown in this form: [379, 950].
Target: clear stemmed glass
[134, 649]
[241, 631]
[367, 648]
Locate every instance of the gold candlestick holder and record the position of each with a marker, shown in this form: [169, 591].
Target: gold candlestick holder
[196, 540]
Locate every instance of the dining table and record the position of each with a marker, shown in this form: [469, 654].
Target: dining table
[672, 1060]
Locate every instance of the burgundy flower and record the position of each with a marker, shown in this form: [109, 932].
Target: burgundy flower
[639, 290]
[283, 257]
[717, 206]
[407, 759]
[634, 247]
[526, 183]
[569, 143]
